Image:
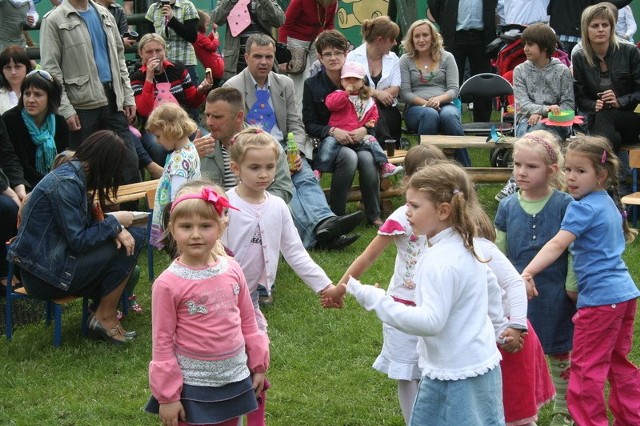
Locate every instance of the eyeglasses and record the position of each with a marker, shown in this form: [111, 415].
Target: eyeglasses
[329, 55]
[41, 73]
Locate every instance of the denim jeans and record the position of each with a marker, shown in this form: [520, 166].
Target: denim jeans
[157, 152]
[309, 205]
[474, 401]
[329, 148]
[344, 170]
[428, 121]
[559, 131]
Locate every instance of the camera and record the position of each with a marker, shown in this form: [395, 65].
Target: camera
[164, 3]
[132, 35]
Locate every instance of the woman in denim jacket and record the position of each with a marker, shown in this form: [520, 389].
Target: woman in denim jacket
[67, 246]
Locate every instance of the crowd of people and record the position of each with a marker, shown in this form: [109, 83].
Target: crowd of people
[473, 307]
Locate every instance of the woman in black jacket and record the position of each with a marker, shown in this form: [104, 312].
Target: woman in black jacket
[606, 78]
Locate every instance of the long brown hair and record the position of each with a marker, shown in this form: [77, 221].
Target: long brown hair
[102, 155]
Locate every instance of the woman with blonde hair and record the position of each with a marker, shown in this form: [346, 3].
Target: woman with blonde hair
[606, 77]
[382, 68]
[429, 85]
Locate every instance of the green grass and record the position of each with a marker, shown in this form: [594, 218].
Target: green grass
[320, 359]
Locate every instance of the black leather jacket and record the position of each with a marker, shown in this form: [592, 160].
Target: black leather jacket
[624, 68]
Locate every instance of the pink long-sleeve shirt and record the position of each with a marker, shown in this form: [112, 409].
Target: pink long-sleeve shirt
[204, 314]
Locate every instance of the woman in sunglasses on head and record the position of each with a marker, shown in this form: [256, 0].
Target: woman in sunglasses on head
[429, 84]
[36, 131]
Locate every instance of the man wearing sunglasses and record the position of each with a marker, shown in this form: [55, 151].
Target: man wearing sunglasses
[81, 47]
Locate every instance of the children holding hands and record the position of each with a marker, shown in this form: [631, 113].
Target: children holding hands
[458, 314]
[525, 221]
[351, 109]
[209, 357]
[596, 227]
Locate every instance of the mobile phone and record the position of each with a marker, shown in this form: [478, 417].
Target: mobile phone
[208, 74]
[165, 2]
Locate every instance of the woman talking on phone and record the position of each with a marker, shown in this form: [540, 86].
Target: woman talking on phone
[159, 80]
[606, 77]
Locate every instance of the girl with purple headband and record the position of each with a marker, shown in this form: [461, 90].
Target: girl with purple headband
[524, 222]
[209, 357]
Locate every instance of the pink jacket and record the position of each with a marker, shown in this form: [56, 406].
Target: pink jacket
[206, 48]
[343, 113]
[209, 319]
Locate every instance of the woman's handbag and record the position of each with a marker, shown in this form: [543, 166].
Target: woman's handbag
[298, 61]
[283, 53]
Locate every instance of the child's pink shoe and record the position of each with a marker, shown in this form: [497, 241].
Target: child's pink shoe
[134, 306]
[317, 174]
[389, 169]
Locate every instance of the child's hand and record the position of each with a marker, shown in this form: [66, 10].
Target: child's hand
[333, 296]
[258, 382]
[513, 340]
[533, 119]
[530, 284]
[171, 412]
[554, 109]
[350, 88]
[573, 295]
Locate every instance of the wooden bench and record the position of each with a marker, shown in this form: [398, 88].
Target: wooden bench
[444, 141]
[134, 191]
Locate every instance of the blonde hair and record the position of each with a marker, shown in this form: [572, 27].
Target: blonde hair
[380, 26]
[194, 207]
[149, 37]
[598, 150]
[252, 137]
[597, 11]
[446, 182]
[546, 144]
[436, 40]
[172, 121]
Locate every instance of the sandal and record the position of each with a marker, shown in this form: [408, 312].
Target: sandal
[134, 306]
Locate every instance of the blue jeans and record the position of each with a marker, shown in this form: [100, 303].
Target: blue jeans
[329, 148]
[474, 401]
[157, 152]
[428, 121]
[559, 131]
[309, 205]
[344, 171]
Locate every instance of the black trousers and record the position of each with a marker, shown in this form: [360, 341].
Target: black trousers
[469, 45]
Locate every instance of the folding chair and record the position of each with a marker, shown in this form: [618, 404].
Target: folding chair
[487, 85]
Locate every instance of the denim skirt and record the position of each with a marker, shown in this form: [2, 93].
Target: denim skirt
[474, 401]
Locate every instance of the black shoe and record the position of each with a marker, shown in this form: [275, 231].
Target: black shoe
[333, 227]
[339, 243]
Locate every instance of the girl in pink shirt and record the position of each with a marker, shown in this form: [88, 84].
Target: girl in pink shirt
[209, 358]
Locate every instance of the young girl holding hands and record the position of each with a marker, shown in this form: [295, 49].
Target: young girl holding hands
[525, 221]
[596, 227]
[209, 357]
[262, 228]
[351, 109]
[171, 125]
[458, 313]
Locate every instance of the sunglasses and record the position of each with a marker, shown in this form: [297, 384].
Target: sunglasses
[41, 73]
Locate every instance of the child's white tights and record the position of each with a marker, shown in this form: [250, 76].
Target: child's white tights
[407, 391]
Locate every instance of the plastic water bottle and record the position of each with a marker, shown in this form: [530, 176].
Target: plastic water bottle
[292, 152]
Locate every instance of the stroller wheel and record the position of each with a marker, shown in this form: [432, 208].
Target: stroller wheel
[502, 157]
